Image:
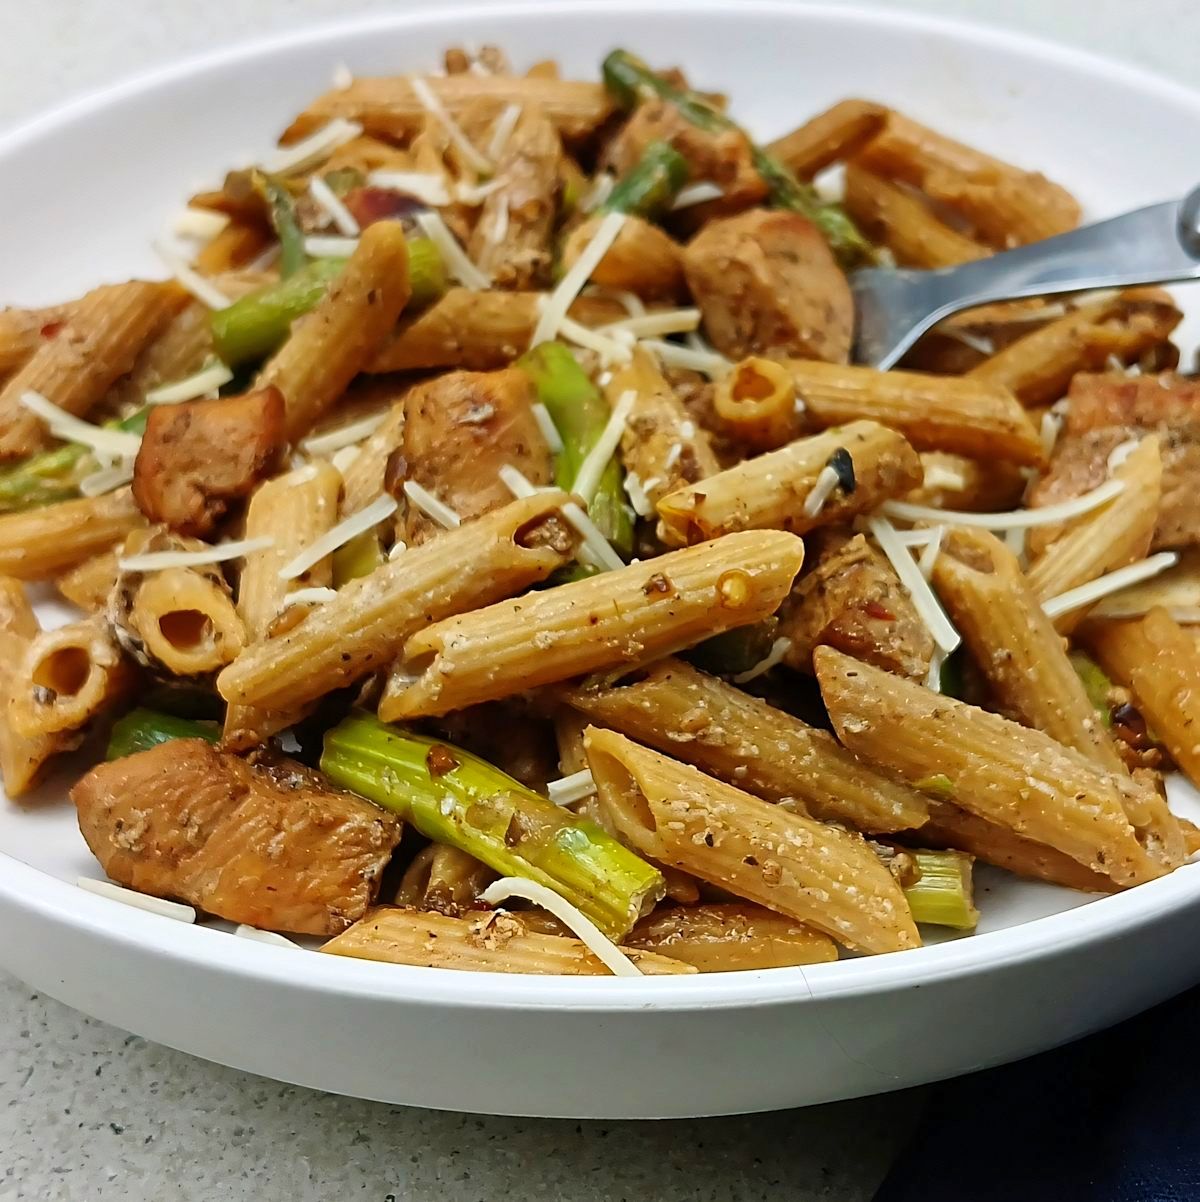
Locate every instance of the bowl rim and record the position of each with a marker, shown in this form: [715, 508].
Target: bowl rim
[27, 893]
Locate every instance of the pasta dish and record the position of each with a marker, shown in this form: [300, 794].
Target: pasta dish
[484, 553]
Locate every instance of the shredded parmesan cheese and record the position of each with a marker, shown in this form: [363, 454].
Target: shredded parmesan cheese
[598, 193]
[1052, 424]
[202, 289]
[257, 936]
[357, 523]
[308, 596]
[344, 458]
[502, 131]
[1048, 515]
[655, 325]
[977, 342]
[830, 184]
[569, 789]
[587, 479]
[430, 506]
[330, 204]
[426, 186]
[106, 479]
[455, 258]
[318, 145]
[595, 548]
[549, 430]
[697, 194]
[330, 246]
[343, 436]
[610, 350]
[341, 79]
[924, 600]
[142, 901]
[202, 224]
[709, 363]
[933, 548]
[397, 549]
[779, 648]
[119, 443]
[1111, 582]
[157, 561]
[429, 101]
[1120, 453]
[827, 480]
[476, 194]
[588, 932]
[207, 379]
[516, 481]
[933, 678]
[642, 505]
[569, 287]
[1014, 540]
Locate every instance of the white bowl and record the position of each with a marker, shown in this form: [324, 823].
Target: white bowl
[88, 185]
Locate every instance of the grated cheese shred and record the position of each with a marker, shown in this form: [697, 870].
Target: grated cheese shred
[285, 160]
[64, 425]
[569, 789]
[430, 506]
[924, 599]
[429, 101]
[827, 480]
[457, 262]
[1048, 515]
[331, 205]
[141, 901]
[587, 479]
[157, 561]
[1110, 582]
[357, 523]
[202, 289]
[779, 648]
[344, 436]
[208, 379]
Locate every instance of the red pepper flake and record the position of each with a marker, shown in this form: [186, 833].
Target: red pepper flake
[874, 610]
[52, 329]
[440, 760]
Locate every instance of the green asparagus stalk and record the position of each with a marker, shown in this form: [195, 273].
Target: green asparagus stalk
[252, 327]
[358, 557]
[282, 210]
[630, 81]
[651, 184]
[343, 180]
[580, 413]
[141, 729]
[1096, 685]
[734, 651]
[456, 798]
[942, 896]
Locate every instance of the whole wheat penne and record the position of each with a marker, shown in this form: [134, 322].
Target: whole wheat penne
[755, 404]
[1015, 645]
[821, 875]
[363, 477]
[1018, 778]
[661, 446]
[1177, 590]
[730, 938]
[613, 620]
[950, 826]
[444, 879]
[744, 741]
[66, 678]
[978, 485]
[829, 137]
[477, 331]
[239, 243]
[772, 491]
[364, 628]
[1007, 206]
[22, 331]
[569, 726]
[904, 223]
[966, 339]
[1108, 538]
[76, 367]
[1158, 661]
[21, 758]
[293, 510]
[41, 543]
[490, 942]
[328, 347]
[935, 413]
[89, 584]
[389, 107]
[643, 259]
[1039, 367]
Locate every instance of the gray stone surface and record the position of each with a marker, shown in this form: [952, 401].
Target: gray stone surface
[87, 1112]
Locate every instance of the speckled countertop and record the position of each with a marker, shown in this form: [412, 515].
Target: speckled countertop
[88, 1112]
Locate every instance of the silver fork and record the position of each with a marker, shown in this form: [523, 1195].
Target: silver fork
[1159, 244]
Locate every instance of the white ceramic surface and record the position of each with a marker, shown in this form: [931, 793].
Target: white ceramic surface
[1045, 968]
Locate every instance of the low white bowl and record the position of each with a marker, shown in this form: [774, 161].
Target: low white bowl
[87, 186]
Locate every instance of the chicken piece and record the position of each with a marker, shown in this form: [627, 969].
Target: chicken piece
[270, 844]
[851, 599]
[511, 241]
[1106, 410]
[643, 259]
[198, 457]
[768, 284]
[725, 158]
[459, 430]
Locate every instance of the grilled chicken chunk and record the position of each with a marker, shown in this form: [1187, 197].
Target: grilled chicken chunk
[767, 283]
[270, 844]
[851, 599]
[1106, 410]
[459, 430]
[198, 457]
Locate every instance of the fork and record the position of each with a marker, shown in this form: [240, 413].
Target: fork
[1159, 244]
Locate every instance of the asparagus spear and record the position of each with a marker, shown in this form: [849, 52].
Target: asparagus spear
[458, 799]
[252, 327]
[630, 81]
[282, 209]
[579, 411]
[651, 184]
[1096, 685]
[141, 729]
[942, 896]
[358, 557]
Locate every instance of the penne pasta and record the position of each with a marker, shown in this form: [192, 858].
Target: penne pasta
[1108, 538]
[742, 740]
[643, 259]
[22, 757]
[829, 137]
[40, 543]
[1177, 590]
[390, 108]
[364, 628]
[66, 678]
[612, 620]
[730, 938]
[755, 404]
[905, 224]
[823, 876]
[1159, 662]
[1018, 778]
[331, 345]
[89, 584]
[293, 511]
[935, 413]
[1014, 643]
[23, 331]
[363, 477]
[778, 490]
[444, 879]
[238, 244]
[76, 367]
